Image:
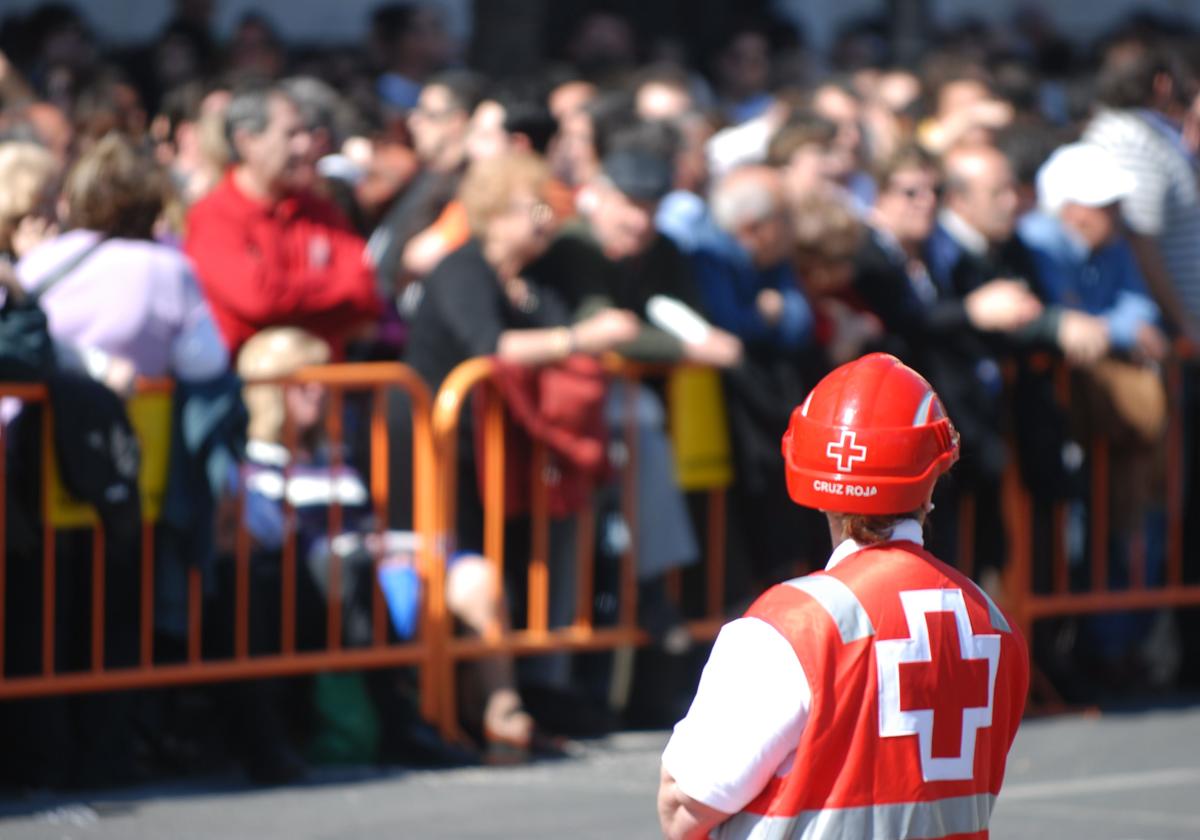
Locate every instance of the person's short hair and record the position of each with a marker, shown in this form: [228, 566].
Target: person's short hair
[738, 201]
[116, 189]
[316, 101]
[489, 185]
[275, 353]
[28, 172]
[466, 89]
[803, 128]
[665, 73]
[906, 157]
[1127, 78]
[826, 229]
[527, 112]
[867, 529]
[639, 159]
[249, 110]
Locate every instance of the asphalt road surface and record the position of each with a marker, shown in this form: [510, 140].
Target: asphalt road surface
[1117, 776]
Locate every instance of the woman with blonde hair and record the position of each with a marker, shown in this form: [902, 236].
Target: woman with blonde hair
[30, 176]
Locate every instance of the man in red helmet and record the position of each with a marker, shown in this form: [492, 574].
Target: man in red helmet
[879, 697]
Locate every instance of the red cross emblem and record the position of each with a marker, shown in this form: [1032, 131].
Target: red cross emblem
[846, 451]
[939, 683]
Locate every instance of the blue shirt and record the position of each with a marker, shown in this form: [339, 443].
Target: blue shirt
[1105, 282]
[728, 280]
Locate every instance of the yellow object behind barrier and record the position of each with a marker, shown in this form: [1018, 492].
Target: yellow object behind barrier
[150, 416]
[699, 429]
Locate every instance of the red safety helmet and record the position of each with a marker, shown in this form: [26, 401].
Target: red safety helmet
[871, 438]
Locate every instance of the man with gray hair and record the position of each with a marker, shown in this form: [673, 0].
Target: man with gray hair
[267, 252]
[740, 260]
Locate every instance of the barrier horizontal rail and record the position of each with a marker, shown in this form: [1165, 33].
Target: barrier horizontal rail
[371, 379]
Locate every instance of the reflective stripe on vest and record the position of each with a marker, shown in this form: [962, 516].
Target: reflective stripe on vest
[843, 606]
[994, 614]
[934, 819]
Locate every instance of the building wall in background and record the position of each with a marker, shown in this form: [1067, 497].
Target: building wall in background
[337, 21]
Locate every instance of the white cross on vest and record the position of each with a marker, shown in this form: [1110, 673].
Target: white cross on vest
[944, 697]
[846, 451]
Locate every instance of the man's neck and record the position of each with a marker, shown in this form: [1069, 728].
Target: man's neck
[964, 233]
[253, 187]
[883, 224]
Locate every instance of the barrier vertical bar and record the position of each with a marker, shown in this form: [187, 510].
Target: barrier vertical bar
[195, 615]
[379, 501]
[1099, 515]
[49, 570]
[629, 507]
[493, 471]
[1059, 559]
[146, 652]
[586, 554]
[1137, 558]
[333, 602]
[716, 552]
[97, 598]
[3, 540]
[539, 575]
[1019, 572]
[1175, 468]
[287, 587]
[241, 585]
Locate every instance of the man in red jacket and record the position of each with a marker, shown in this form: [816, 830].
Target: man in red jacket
[271, 255]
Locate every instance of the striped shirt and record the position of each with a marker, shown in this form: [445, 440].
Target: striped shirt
[1165, 204]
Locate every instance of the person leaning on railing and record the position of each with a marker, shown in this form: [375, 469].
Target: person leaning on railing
[478, 303]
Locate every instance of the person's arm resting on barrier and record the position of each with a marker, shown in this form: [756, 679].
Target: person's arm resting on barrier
[746, 720]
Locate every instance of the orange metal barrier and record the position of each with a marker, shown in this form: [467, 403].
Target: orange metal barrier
[1028, 603]
[538, 637]
[374, 379]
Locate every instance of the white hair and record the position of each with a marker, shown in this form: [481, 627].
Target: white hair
[738, 200]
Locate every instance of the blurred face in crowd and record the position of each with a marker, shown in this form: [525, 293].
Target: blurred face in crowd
[812, 168]
[907, 206]
[525, 226]
[275, 156]
[766, 235]
[1097, 226]
[844, 111]
[624, 226]
[486, 137]
[573, 154]
[984, 193]
[438, 125]
[745, 66]
[305, 405]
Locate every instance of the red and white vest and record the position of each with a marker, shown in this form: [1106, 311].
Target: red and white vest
[918, 684]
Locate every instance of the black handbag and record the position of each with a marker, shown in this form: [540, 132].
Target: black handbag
[26, 349]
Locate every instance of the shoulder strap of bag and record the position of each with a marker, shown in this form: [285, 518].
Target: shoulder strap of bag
[59, 274]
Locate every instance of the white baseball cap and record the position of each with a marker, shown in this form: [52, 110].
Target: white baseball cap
[1082, 173]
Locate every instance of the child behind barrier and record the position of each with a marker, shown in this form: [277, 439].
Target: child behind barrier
[313, 480]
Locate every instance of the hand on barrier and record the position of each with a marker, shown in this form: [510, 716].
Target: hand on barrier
[1001, 305]
[1151, 344]
[720, 349]
[1083, 338]
[605, 330]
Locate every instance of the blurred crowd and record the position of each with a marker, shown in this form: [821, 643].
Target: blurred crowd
[195, 208]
